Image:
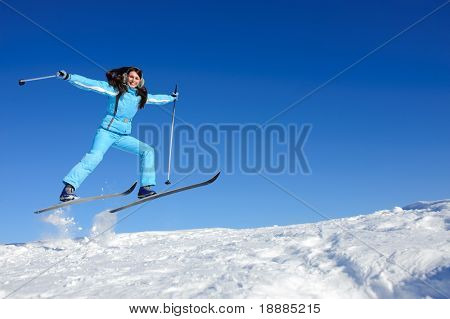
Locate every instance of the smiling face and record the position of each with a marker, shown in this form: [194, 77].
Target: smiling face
[133, 79]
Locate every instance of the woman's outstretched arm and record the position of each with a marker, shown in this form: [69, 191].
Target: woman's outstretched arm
[159, 99]
[84, 83]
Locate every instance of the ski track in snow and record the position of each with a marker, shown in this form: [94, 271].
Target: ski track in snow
[323, 260]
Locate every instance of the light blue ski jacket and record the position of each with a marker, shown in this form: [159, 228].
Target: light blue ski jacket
[128, 103]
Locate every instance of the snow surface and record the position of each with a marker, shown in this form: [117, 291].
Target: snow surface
[398, 253]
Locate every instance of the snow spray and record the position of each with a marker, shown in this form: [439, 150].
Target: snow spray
[65, 225]
[103, 226]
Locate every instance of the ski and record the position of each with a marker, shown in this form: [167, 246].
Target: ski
[86, 199]
[166, 193]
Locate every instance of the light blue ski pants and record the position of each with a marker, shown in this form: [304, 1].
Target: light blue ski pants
[102, 142]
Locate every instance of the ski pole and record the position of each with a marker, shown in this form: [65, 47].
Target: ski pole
[22, 82]
[171, 137]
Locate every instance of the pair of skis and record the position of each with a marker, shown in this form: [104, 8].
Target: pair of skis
[128, 191]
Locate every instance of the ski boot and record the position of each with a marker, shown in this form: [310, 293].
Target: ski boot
[68, 193]
[146, 191]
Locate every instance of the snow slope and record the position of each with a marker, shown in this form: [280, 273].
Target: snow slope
[399, 253]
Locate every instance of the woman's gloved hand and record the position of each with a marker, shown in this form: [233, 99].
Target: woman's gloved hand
[62, 75]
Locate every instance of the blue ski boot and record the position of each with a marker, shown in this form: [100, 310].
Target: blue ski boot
[68, 193]
[146, 191]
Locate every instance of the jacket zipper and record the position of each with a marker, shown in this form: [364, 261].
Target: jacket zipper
[115, 112]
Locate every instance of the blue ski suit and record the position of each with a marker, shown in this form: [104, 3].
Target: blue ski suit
[115, 131]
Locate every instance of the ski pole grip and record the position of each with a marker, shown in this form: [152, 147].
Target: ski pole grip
[21, 82]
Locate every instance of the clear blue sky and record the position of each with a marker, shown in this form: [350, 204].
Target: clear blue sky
[380, 134]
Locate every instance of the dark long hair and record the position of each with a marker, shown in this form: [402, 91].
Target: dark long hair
[117, 79]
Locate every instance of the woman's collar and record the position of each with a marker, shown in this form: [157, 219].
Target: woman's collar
[130, 89]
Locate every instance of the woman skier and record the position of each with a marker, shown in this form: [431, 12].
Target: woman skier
[126, 95]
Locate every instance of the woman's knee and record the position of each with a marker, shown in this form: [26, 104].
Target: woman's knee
[92, 159]
[146, 151]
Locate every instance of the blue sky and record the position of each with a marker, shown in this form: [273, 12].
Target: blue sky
[380, 130]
